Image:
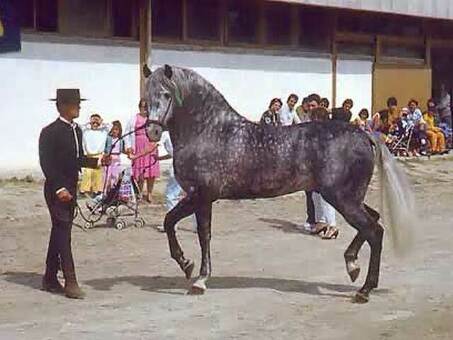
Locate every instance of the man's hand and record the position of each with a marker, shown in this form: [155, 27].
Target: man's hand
[64, 196]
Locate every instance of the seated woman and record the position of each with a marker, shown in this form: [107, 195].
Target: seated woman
[381, 126]
[414, 119]
[434, 133]
[272, 115]
[362, 121]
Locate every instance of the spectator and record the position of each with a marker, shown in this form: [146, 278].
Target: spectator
[313, 102]
[414, 120]
[94, 137]
[324, 103]
[143, 168]
[272, 115]
[288, 115]
[434, 133]
[344, 112]
[431, 107]
[383, 122]
[325, 221]
[173, 190]
[362, 121]
[114, 147]
[444, 106]
[302, 111]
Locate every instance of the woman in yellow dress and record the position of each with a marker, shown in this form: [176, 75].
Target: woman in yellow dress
[434, 134]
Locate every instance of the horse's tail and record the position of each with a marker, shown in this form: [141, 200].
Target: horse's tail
[396, 198]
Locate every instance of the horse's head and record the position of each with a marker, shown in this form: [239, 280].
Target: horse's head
[163, 95]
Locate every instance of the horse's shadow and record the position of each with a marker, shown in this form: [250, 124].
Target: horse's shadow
[285, 226]
[168, 284]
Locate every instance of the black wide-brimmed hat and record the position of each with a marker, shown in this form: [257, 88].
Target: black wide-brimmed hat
[68, 96]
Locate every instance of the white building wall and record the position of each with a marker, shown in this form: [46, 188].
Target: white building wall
[109, 77]
[250, 81]
[354, 80]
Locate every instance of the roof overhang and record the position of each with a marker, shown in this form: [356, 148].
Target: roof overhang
[438, 9]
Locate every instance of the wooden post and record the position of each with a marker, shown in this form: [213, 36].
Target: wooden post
[262, 25]
[145, 35]
[295, 25]
[185, 26]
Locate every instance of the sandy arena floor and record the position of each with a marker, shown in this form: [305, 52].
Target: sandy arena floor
[269, 280]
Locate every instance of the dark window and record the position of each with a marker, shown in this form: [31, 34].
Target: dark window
[203, 19]
[122, 12]
[167, 18]
[243, 21]
[46, 15]
[352, 48]
[442, 29]
[278, 23]
[85, 18]
[376, 23]
[407, 52]
[25, 11]
[315, 27]
[359, 22]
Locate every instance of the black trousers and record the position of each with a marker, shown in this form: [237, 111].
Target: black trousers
[59, 252]
[310, 207]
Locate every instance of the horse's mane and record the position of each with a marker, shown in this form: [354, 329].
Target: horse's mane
[213, 101]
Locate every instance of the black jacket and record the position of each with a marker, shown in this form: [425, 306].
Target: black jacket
[58, 156]
[341, 114]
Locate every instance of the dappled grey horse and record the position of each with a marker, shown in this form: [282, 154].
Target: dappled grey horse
[218, 154]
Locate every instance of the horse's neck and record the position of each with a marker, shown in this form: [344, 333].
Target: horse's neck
[206, 113]
[190, 126]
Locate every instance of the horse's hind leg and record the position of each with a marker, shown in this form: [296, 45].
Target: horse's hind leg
[358, 216]
[373, 213]
[351, 253]
[350, 257]
[183, 209]
[204, 215]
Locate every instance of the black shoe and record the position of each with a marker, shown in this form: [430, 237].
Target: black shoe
[52, 285]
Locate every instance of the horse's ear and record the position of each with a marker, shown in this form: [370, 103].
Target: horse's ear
[146, 71]
[168, 71]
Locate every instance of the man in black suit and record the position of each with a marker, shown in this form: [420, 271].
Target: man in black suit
[61, 158]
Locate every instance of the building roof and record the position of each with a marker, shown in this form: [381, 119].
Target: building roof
[439, 9]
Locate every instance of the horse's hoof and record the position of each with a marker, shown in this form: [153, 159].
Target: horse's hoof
[188, 269]
[198, 288]
[353, 270]
[360, 298]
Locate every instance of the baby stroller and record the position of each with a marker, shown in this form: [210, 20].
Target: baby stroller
[401, 139]
[116, 203]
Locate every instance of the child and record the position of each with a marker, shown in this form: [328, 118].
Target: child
[114, 147]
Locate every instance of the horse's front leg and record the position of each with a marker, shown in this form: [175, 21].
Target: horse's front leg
[183, 209]
[203, 213]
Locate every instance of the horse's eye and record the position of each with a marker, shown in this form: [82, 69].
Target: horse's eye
[167, 95]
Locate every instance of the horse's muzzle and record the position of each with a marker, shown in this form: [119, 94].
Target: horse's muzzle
[154, 132]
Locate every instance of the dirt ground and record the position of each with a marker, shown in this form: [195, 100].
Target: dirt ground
[269, 280]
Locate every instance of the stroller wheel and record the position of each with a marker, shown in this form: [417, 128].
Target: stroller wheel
[120, 224]
[139, 222]
[88, 225]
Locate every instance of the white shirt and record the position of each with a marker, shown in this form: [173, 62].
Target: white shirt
[94, 140]
[168, 146]
[288, 116]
